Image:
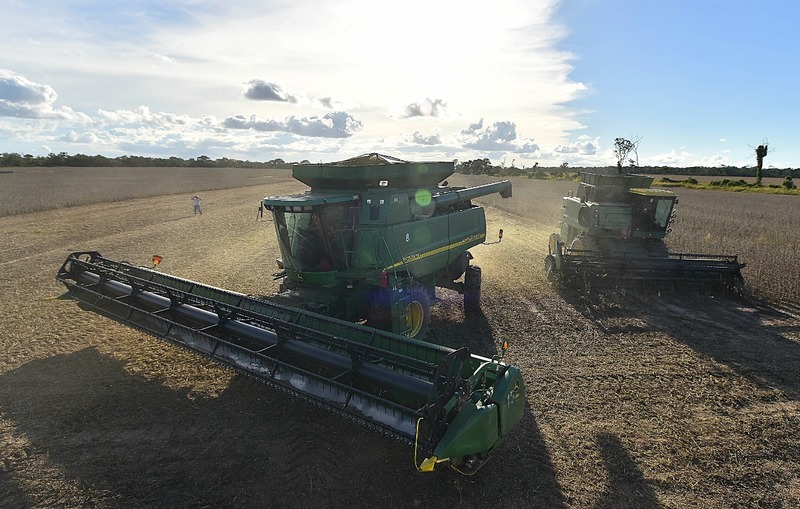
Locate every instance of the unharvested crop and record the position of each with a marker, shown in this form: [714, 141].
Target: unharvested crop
[24, 190]
[760, 228]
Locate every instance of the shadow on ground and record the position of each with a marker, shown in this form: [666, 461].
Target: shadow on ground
[130, 441]
[757, 339]
[627, 485]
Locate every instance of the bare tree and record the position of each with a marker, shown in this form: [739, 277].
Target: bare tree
[761, 153]
[623, 147]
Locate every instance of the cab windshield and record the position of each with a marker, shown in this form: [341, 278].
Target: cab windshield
[316, 240]
[652, 214]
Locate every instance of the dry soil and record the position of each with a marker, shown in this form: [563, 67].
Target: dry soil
[633, 401]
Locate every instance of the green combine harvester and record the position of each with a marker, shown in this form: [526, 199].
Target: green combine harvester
[361, 254]
[612, 236]
[375, 236]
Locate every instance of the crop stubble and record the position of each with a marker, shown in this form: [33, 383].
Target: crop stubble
[635, 402]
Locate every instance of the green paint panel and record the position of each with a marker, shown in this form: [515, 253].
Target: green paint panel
[473, 430]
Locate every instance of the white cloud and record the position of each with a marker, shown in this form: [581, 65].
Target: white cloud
[332, 103]
[87, 137]
[22, 98]
[338, 124]
[164, 58]
[170, 72]
[143, 116]
[426, 108]
[674, 157]
[260, 90]
[498, 137]
[584, 146]
[420, 139]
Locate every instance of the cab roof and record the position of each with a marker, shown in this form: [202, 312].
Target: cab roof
[308, 199]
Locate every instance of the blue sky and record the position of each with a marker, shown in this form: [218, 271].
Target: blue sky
[697, 82]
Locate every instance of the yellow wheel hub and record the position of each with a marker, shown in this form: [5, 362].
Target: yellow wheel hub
[415, 316]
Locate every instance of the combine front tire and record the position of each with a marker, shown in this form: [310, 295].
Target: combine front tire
[472, 288]
[551, 269]
[418, 313]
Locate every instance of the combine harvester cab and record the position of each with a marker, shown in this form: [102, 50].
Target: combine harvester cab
[612, 235]
[373, 238]
[453, 406]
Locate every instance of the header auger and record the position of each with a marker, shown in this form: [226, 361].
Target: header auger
[452, 405]
[612, 235]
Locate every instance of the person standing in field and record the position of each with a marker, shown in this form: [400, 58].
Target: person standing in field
[196, 203]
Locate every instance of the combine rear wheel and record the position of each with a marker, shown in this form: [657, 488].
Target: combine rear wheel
[472, 288]
[553, 247]
[457, 267]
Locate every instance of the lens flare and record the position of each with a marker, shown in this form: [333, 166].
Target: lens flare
[423, 197]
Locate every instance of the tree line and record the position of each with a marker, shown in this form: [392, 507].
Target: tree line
[485, 167]
[83, 160]
[472, 167]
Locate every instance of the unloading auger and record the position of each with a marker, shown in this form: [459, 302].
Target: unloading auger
[453, 406]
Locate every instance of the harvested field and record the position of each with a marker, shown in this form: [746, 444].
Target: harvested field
[671, 401]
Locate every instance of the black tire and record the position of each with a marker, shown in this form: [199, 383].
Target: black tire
[472, 288]
[457, 267]
[418, 312]
[551, 269]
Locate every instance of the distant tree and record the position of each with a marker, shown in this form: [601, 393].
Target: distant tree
[623, 147]
[204, 161]
[761, 153]
[475, 167]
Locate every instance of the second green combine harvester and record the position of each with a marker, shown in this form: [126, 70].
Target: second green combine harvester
[370, 241]
[612, 235]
